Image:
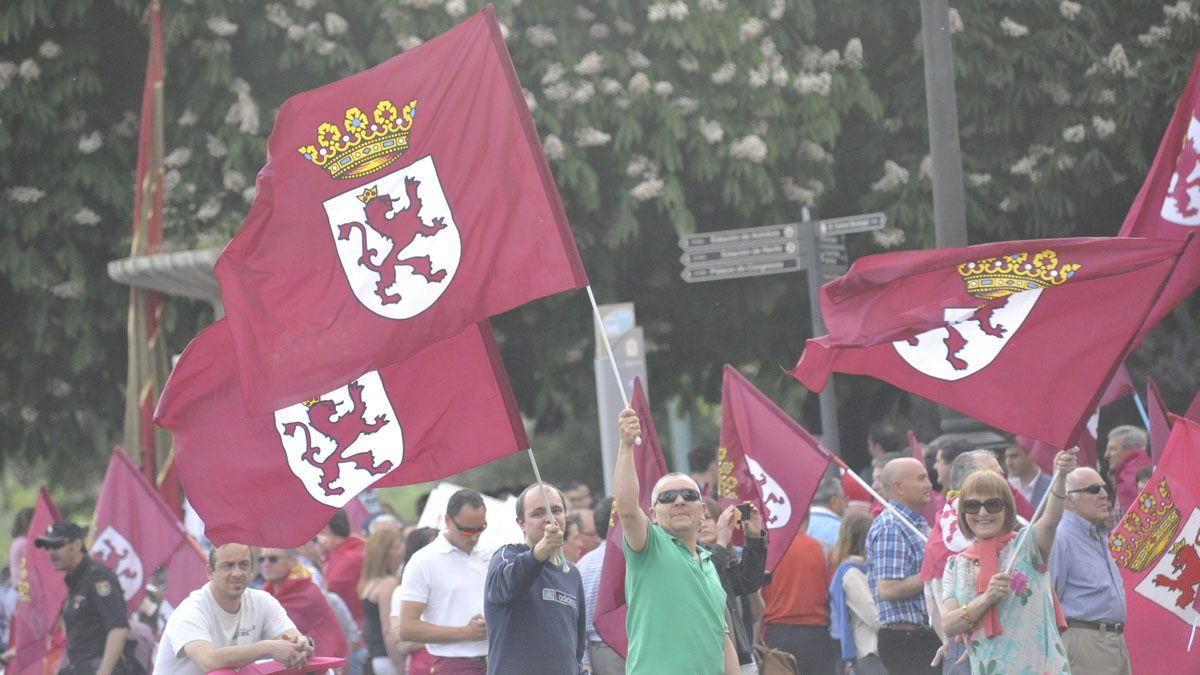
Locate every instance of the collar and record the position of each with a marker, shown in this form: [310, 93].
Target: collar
[704, 553]
[444, 545]
[1081, 525]
[822, 510]
[913, 517]
[80, 569]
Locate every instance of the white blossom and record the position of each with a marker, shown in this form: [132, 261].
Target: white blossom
[215, 146]
[57, 387]
[1180, 11]
[780, 76]
[128, 125]
[888, 237]
[1106, 96]
[1117, 62]
[1006, 205]
[663, 88]
[925, 169]
[336, 25]
[1069, 9]
[814, 83]
[723, 74]
[583, 93]
[505, 32]
[1154, 34]
[979, 179]
[677, 10]
[296, 32]
[688, 63]
[407, 42]
[639, 84]
[553, 148]
[853, 54]
[86, 216]
[1012, 28]
[177, 158]
[1103, 127]
[829, 59]
[49, 50]
[1064, 162]
[248, 193]
[8, 70]
[686, 105]
[29, 70]
[622, 103]
[955, 22]
[804, 195]
[647, 189]
[1058, 92]
[591, 64]
[244, 112]
[188, 118]
[611, 87]
[171, 180]
[326, 47]
[277, 15]
[775, 9]
[29, 414]
[598, 31]
[749, 147]
[813, 151]
[893, 125]
[760, 127]
[894, 176]
[221, 26]
[583, 13]
[1027, 165]
[559, 91]
[1074, 134]
[712, 5]
[24, 194]
[751, 28]
[637, 60]
[759, 76]
[234, 181]
[209, 210]
[624, 27]
[711, 130]
[656, 12]
[530, 99]
[67, 290]
[456, 7]
[540, 36]
[590, 137]
[90, 143]
[554, 73]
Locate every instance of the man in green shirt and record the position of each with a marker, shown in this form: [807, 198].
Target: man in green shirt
[676, 606]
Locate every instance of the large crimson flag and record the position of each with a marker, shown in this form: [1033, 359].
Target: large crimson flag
[135, 531]
[187, 570]
[648, 459]
[398, 206]
[276, 479]
[1160, 420]
[994, 331]
[1157, 547]
[40, 594]
[1120, 386]
[1168, 205]
[766, 458]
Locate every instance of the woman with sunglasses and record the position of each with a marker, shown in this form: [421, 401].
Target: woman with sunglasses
[383, 553]
[1007, 620]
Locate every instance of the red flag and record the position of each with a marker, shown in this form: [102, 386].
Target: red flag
[971, 328]
[609, 618]
[346, 264]
[1168, 205]
[187, 570]
[1120, 386]
[307, 607]
[1157, 547]
[275, 479]
[1160, 420]
[1193, 411]
[40, 594]
[766, 458]
[357, 514]
[169, 487]
[136, 532]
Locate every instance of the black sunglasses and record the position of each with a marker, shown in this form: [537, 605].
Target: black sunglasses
[268, 559]
[469, 531]
[1091, 489]
[55, 545]
[993, 505]
[688, 494]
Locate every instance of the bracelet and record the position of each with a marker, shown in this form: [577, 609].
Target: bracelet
[966, 617]
[1062, 496]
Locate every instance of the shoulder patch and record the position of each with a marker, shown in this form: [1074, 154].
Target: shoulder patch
[103, 589]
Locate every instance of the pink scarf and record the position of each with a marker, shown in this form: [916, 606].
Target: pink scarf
[987, 553]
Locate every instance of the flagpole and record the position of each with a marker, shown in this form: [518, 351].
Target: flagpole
[1036, 513]
[1141, 409]
[537, 475]
[887, 505]
[612, 360]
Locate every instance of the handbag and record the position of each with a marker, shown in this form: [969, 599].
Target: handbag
[774, 661]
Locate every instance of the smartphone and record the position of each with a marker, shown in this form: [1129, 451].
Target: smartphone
[744, 511]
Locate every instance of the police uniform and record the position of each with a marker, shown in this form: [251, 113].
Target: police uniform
[95, 605]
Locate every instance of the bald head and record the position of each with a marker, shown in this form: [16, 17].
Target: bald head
[905, 480]
[1094, 508]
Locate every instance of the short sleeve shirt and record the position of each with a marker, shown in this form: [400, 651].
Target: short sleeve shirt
[95, 604]
[199, 617]
[894, 552]
[676, 613]
[449, 582]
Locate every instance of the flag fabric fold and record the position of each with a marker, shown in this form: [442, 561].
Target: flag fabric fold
[398, 206]
[1160, 420]
[276, 479]
[970, 328]
[40, 594]
[648, 459]
[1156, 546]
[768, 459]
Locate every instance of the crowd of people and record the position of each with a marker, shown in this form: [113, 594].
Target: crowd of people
[1011, 575]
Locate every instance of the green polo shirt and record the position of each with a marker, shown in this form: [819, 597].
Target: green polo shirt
[676, 619]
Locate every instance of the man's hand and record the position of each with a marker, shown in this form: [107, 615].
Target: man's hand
[630, 427]
[552, 540]
[476, 629]
[287, 652]
[304, 643]
[753, 527]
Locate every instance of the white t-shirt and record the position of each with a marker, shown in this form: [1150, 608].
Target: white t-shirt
[199, 617]
[449, 582]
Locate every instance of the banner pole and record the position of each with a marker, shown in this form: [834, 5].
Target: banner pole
[1036, 514]
[537, 475]
[1141, 409]
[612, 360]
[904, 519]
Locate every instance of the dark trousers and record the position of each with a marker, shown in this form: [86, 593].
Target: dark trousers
[814, 649]
[449, 665]
[908, 652]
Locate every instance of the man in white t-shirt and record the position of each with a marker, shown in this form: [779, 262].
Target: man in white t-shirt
[225, 625]
[441, 594]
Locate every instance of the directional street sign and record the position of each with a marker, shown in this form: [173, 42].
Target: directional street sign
[750, 235]
[738, 270]
[741, 253]
[831, 272]
[850, 224]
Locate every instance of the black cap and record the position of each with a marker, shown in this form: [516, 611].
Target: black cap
[60, 533]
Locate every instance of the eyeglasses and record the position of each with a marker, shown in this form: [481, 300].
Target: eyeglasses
[993, 505]
[1091, 489]
[268, 559]
[469, 531]
[688, 494]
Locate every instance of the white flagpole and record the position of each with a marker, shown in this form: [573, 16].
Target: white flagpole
[537, 475]
[887, 505]
[1024, 534]
[608, 350]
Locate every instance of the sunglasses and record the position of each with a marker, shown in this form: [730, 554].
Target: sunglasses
[688, 494]
[55, 545]
[993, 505]
[1091, 489]
[268, 559]
[469, 531]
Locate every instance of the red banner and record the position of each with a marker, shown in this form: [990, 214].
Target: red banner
[136, 532]
[276, 479]
[187, 570]
[971, 328]
[40, 594]
[398, 206]
[609, 618]
[768, 459]
[1160, 420]
[1043, 454]
[1157, 547]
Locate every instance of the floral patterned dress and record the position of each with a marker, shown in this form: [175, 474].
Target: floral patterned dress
[1029, 643]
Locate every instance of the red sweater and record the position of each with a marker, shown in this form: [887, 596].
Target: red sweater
[343, 567]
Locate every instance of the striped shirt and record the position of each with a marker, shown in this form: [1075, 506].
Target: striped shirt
[894, 552]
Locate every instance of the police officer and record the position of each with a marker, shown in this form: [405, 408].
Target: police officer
[94, 612]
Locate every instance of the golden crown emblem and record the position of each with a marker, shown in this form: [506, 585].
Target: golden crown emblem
[311, 402]
[1003, 276]
[1147, 529]
[362, 146]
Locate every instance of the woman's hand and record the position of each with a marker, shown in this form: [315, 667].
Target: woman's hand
[999, 588]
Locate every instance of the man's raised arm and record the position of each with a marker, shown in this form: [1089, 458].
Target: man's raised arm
[625, 483]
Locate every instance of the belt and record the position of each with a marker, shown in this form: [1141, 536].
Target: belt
[1101, 626]
[904, 625]
[462, 658]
